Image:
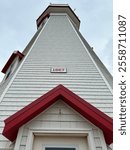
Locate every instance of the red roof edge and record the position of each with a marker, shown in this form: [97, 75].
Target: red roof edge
[11, 59]
[40, 19]
[91, 113]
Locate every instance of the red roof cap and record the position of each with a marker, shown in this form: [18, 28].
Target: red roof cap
[11, 59]
[58, 8]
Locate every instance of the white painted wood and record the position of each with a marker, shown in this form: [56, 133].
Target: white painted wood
[93, 60]
[40, 142]
[53, 119]
[91, 142]
[102, 140]
[19, 137]
[30, 139]
[6, 89]
[60, 119]
[33, 77]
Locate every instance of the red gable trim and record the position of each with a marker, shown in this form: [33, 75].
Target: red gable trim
[91, 113]
[11, 59]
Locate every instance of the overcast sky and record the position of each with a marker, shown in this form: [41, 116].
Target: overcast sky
[18, 25]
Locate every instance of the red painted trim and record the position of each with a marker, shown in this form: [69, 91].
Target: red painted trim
[91, 113]
[41, 19]
[11, 59]
[42, 16]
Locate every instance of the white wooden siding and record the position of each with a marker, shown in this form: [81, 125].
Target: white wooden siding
[57, 46]
[60, 117]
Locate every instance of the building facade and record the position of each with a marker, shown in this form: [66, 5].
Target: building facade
[56, 94]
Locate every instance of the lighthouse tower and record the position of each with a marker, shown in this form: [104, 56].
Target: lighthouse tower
[56, 94]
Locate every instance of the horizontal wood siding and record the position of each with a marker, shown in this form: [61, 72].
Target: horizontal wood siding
[57, 46]
[60, 117]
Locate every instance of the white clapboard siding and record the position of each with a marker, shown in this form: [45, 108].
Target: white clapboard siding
[52, 120]
[57, 45]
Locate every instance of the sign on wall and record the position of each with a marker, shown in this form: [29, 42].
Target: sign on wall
[58, 70]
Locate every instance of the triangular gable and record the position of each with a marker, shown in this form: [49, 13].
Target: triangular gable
[11, 59]
[91, 113]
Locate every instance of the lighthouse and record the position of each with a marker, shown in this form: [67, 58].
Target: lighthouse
[56, 94]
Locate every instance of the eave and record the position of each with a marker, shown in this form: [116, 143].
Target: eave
[91, 113]
[11, 59]
[57, 8]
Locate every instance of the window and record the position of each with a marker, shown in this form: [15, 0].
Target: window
[12, 68]
[9, 71]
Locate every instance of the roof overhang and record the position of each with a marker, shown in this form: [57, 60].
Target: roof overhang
[11, 59]
[57, 8]
[91, 113]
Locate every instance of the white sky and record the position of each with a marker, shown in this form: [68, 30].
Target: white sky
[18, 25]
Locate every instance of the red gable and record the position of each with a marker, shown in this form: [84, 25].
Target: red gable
[11, 59]
[91, 113]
